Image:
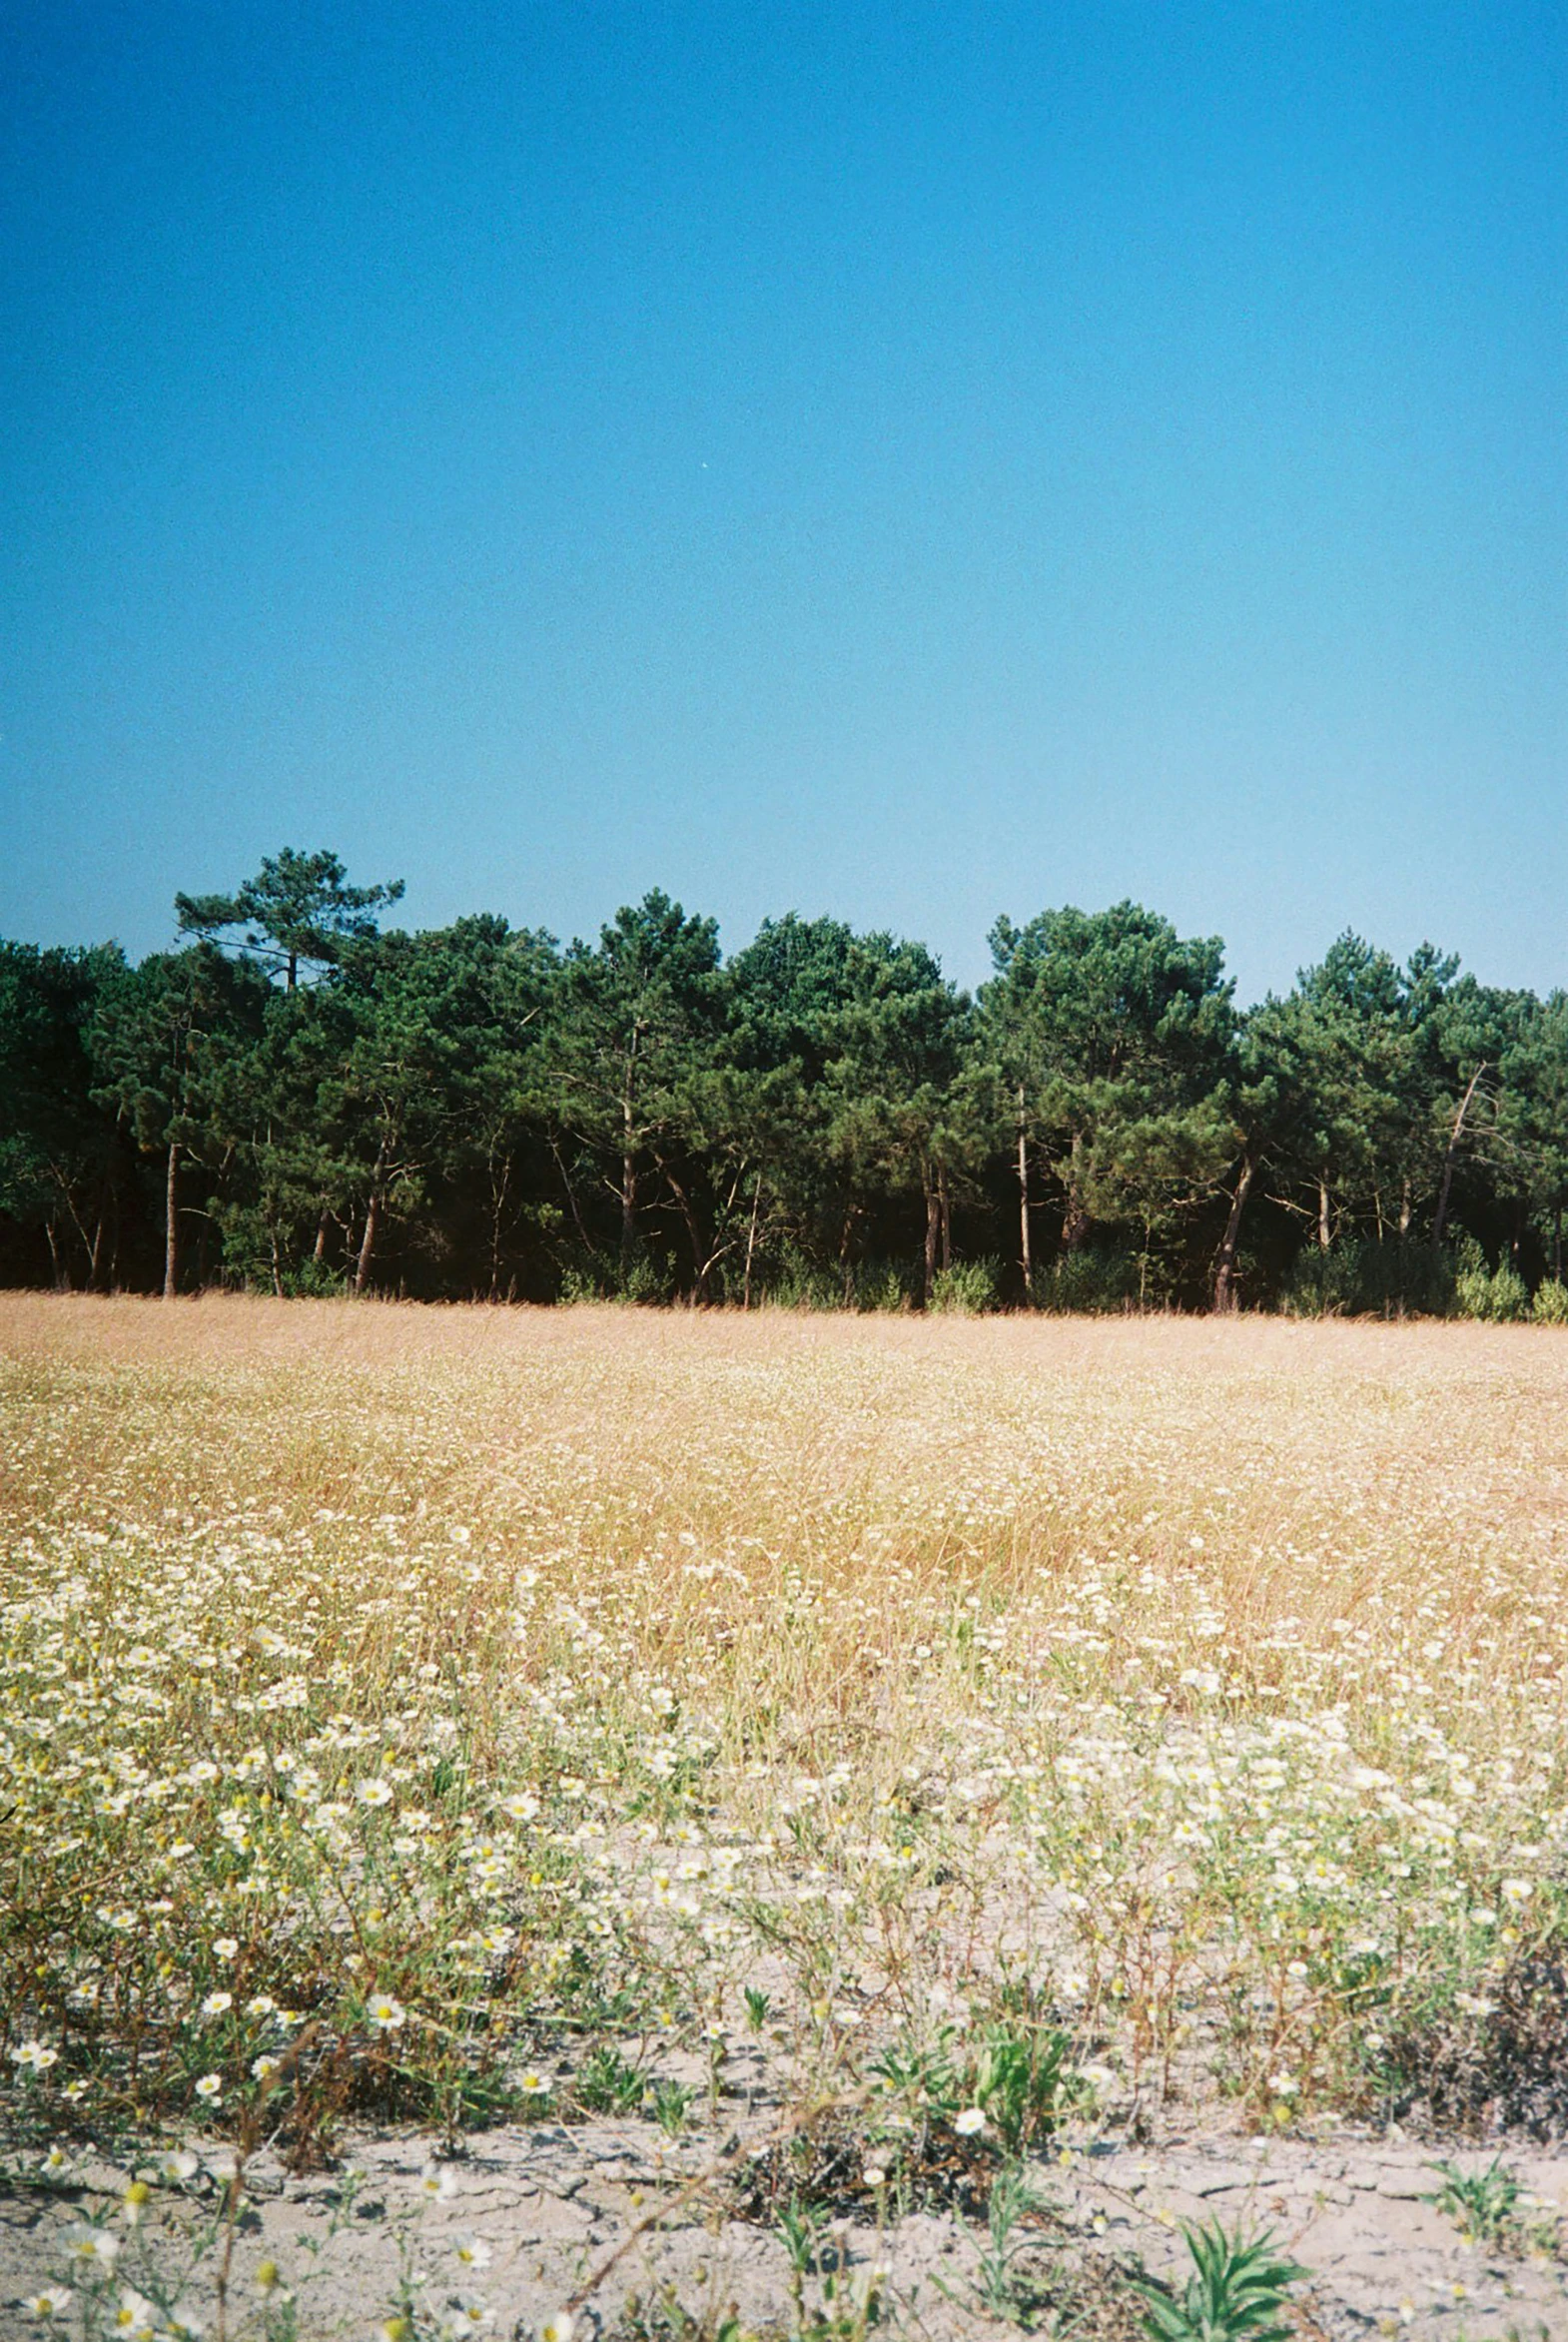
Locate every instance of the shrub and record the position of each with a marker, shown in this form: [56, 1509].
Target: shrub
[580, 1284]
[792, 1282]
[884, 1285]
[1550, 1307]
[970, 1289]
[1365, 1278]
[1088, 1283]
[1496, 1296]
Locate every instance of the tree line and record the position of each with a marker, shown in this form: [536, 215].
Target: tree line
[301, 1099]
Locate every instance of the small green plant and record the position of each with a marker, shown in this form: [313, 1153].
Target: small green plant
[1003, 2292]
[1484, 2203]
[846, 2311]
[665, 2317]
[669, 2102]
[1238, 2291]
[800, 2229]
[1550, 1307]
[1023, 2082]
[606, 2084]
[759, 2007]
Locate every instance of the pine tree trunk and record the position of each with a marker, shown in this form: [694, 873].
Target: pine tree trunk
[947, 1221]
[1074, 1219]
[172, 1223]
[628, 1208]
[752, 1242]
[95, 1272]
[372, 1214]
[1225, 1268]
[1442, 1218]
[500, 1187]
[1025, 1249]
[571, 1198]
[1324, 1232]
[628, 1164]
[933, 1230]
[320, 1252]
[701, 1261]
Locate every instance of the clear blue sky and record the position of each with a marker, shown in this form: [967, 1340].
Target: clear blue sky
[909, 461]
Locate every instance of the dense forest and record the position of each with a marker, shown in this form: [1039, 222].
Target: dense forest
[304, 1100]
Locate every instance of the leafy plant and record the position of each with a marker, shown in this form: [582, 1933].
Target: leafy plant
[669, 2102]
[1486, 2204]
[1023, 2081]
[1002, 2290]
[606, 2084]
[1499, 1296]
[1238, 2291]
[800, 2229]
[970, 1289]
[1550, 1307]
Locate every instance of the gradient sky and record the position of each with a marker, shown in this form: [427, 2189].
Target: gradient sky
[907, 462]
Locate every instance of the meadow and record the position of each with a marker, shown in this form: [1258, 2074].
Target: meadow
[939, 1734]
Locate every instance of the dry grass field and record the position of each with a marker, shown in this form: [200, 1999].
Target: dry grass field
[942, 1736]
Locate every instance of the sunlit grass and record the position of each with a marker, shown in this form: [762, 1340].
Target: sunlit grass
[402, 1707]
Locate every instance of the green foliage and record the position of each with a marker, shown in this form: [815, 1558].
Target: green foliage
[298, 907]
[1365, 1278]
[1110, 1040]
[670, 2102]
[1498, 1297]
[883, 1285]
[303, 1104]
[1238, 2291]
[1022, 2081]
[1003, 2290]
[759, 2007]
[606, 2085]
[800, 2229]
[1550, 1305]
[970, 1289]
[796, 1285]
[1486, 2204]
[60, 1151]
[1088, 1284]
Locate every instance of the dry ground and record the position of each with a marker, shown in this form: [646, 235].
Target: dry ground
[1126, 1733]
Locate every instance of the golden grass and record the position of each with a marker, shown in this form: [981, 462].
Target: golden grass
[1210, 1673]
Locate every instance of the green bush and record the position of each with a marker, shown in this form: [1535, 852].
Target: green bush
[1497, 1296]
[1088, 1283]
[1361, 1276]
[643, 1280]
[1550, 1307]
[884, 1285]
[577, 1284]
[646, 1281]
[970, 1289]
[786, 1278]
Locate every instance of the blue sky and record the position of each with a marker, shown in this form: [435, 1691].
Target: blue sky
[910, 462]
